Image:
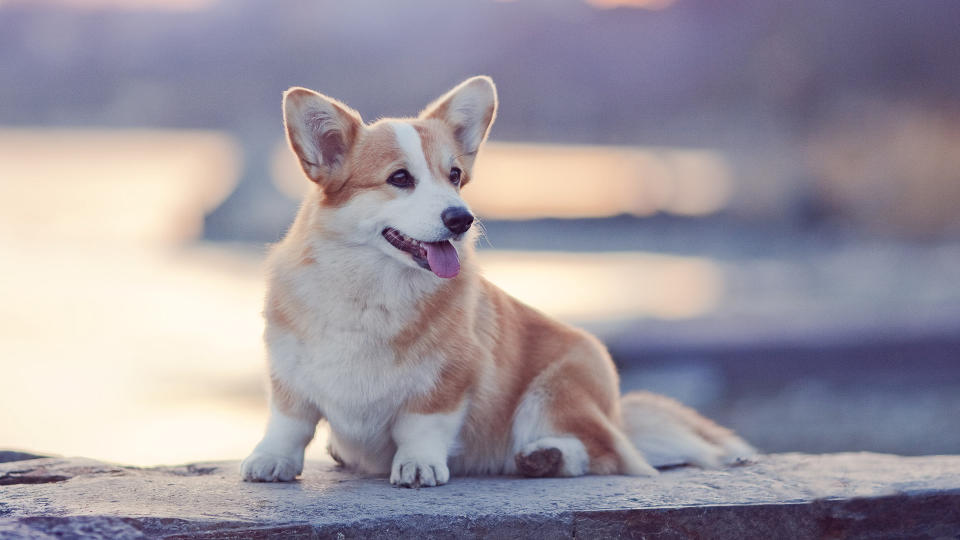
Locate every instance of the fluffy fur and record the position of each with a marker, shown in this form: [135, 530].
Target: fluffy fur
[422, 377]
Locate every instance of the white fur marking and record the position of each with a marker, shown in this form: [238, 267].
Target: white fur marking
[529, 422]
[279, 456]
[418, 212]
[409, 141]
[424, 442]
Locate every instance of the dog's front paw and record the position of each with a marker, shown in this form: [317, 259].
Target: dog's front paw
[414, 471]
[264, 467]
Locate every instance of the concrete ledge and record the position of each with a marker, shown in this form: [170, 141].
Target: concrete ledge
[859, 495]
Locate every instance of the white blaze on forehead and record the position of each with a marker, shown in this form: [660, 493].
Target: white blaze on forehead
[418, 212]
[409, 141]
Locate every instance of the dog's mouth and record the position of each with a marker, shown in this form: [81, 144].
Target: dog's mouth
[439, 257]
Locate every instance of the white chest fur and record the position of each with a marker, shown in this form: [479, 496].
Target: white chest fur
[342, 359]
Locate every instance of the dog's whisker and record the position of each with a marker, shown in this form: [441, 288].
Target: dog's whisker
[482, 230]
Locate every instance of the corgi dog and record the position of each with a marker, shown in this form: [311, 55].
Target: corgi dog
[379, 321]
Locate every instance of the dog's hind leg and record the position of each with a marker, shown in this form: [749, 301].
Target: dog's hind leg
[589, 444]
[564, 426]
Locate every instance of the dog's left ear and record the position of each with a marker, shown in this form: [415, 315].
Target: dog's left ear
[469, 110]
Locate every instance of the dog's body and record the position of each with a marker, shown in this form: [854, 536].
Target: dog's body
[378, 321]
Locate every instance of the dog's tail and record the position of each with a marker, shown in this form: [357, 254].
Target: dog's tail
[668, 433]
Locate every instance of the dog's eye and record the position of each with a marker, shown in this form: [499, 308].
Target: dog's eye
[401, 179]
[455, 176]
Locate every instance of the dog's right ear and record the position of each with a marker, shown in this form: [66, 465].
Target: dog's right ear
[469, 110]
[321, 132]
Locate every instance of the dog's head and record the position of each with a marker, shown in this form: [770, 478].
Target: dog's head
[394, 185]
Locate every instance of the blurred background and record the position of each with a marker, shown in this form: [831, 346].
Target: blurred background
[755, 203]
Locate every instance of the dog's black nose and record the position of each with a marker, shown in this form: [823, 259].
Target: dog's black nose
[457, 218]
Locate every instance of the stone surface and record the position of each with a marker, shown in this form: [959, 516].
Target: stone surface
[13, 455]
[858, 495]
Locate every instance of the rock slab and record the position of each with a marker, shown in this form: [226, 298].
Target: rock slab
[854, 495]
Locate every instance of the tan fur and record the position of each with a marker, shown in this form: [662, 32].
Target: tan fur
[577, 374]
[375, 156]
[500, 374]
[349, 127]
[441, 107]
[283, 310]
[442, 328]
[291, 404]
[307, 258]
[522, 346]
[435, 136]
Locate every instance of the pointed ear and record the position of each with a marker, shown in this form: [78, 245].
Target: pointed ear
[469, 110]
[321, 132]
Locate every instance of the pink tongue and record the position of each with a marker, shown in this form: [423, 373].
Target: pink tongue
[443, 259]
